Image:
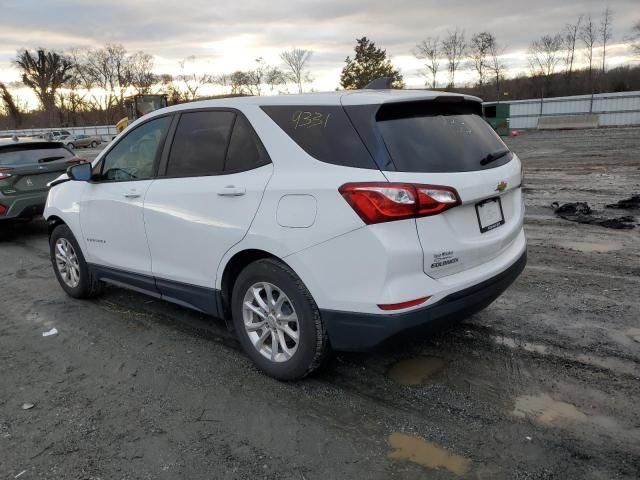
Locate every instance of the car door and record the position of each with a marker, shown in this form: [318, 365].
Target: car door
[111, 210]
[215, 175]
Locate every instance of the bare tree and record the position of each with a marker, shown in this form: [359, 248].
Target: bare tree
[544, 56]
[275, 76]
[296, 61]
[192, 81]
[589, 37]
[429, 50]
[454, 46]
[634, 39]
[10, 105]
[168, 86]
[479, 49]
[570, 38]
[141, 71]
[605, 34]
[496, 67]
[44, 72]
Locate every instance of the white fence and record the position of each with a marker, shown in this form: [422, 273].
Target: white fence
[105, 131]
[613, 109]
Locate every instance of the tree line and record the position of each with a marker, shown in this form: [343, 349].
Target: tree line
[90, 85]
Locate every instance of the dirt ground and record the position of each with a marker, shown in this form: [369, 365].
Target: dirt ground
[543, 384]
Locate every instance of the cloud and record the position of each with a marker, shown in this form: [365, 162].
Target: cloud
[230, 35]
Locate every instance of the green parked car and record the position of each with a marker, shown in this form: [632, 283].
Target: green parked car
[26, 166]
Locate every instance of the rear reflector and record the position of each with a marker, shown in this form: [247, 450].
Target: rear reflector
[400, 306]
[377, 202]
[3, 210]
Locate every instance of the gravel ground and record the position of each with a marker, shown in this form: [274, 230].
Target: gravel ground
[542, 384]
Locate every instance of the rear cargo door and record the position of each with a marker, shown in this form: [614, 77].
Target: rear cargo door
[32, 166]
[447, 142]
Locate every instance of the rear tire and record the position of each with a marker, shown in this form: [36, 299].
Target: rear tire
[301, 345]
[94, 144]
[71, 146]
[70, 266]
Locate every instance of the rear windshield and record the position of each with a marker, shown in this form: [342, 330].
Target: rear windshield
[324, 132]
[439, 137]
[27, 154]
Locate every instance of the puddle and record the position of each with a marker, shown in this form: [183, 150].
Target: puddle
[592, 247]
[416, 371]
[513, 343]
[416, 449]
[545, 410]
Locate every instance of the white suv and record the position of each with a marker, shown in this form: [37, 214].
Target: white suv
[308, 222]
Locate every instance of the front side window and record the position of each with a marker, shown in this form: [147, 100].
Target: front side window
[134, 156]
[200, 144]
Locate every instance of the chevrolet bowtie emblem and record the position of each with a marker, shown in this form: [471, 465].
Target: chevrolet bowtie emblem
[501, 186]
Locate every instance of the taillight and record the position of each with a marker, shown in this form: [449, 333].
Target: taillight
[377, 202]
[3, 172]
[76, 160]
[3, 210]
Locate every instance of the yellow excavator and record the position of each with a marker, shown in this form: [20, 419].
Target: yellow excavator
[138, 106]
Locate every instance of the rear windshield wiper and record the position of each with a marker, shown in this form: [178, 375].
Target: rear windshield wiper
[49, 159]
[494, 156]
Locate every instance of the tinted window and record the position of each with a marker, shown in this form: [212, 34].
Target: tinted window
[245, 151]
[134, 156]
[324, 132]
[26, 154]
[200, 144]
[433, 137]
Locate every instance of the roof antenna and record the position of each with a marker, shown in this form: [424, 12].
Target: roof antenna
[382, 83]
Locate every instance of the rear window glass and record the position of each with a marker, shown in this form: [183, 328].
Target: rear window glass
[439, 137]
[28, 154]
[324, 132]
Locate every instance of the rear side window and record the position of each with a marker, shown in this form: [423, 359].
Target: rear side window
[200, 144]
[324, 132]
[245, 150]
[35, 153]
[439, 137]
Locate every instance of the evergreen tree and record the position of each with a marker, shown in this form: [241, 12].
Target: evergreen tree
[368, 64]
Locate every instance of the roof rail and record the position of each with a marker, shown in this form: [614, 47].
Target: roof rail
[382, 83]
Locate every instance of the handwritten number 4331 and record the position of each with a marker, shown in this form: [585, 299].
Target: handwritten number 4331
[310, 119]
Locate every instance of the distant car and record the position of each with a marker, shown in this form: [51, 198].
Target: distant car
[76, 141]
[26, 166]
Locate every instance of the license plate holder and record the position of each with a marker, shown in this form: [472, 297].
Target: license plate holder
[490, 214]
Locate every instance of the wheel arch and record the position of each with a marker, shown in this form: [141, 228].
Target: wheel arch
[52, 222]
[232, 269]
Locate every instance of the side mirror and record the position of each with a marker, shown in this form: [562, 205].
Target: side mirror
[81, 172]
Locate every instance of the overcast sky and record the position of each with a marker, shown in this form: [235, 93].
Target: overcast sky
[225, 36]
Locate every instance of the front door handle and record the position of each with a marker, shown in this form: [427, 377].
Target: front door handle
[231, 191]
[132, 194]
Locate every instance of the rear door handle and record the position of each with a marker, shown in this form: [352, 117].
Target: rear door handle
[132, 194]
[231, 191]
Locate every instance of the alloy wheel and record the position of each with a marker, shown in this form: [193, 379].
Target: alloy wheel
[271, 322]
[67, 263]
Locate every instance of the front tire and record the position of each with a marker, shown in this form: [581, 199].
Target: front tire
[94, 144]
[70, 266]
[277, 321]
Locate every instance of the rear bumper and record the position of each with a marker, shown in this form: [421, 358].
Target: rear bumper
[23, 205]
[350, 331]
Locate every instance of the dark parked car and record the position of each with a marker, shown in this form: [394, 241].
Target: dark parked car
[26, 166]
